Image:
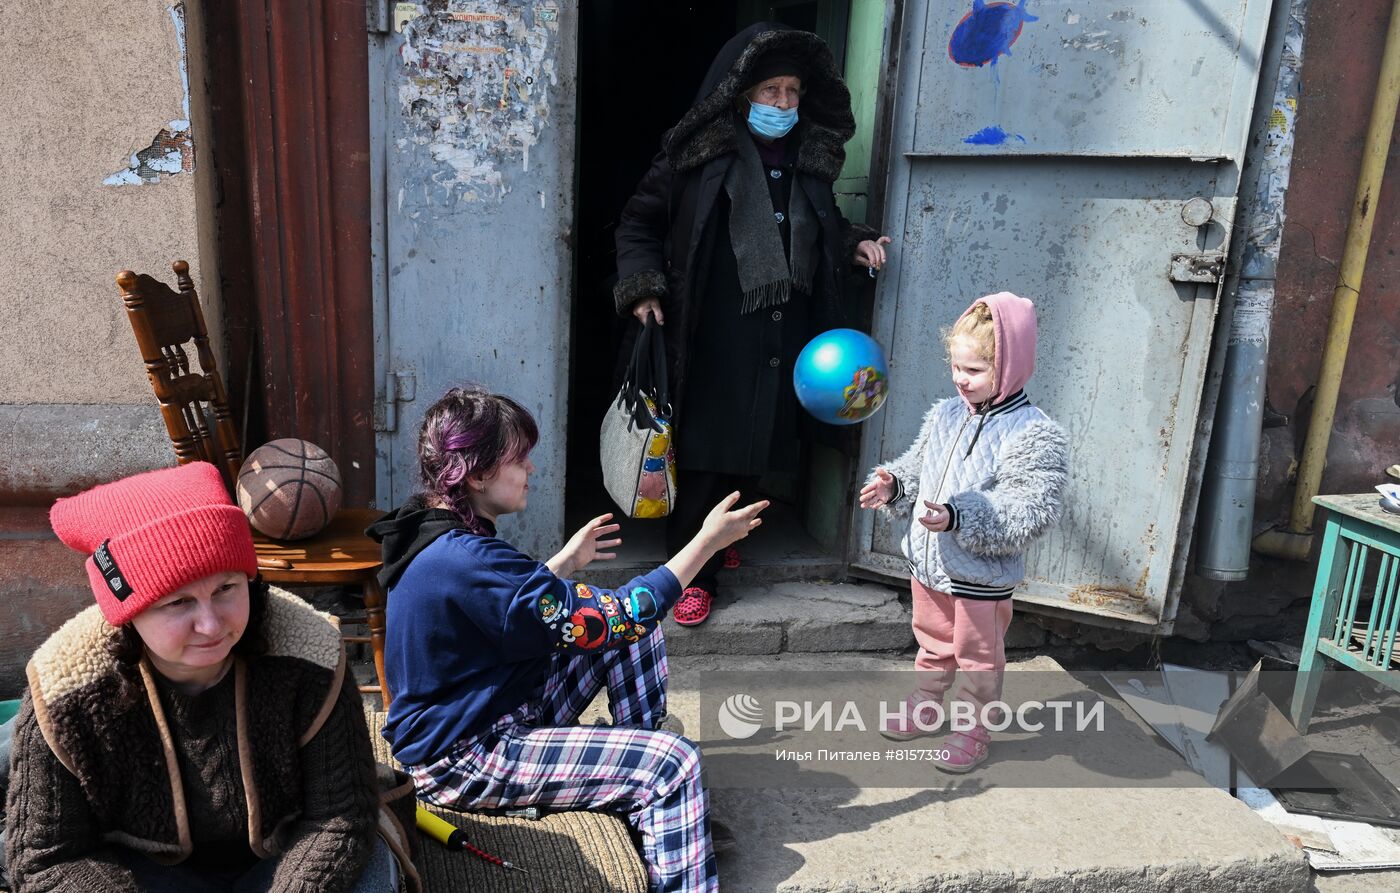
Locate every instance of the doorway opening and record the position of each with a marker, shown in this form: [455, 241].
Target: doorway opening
[640, 65]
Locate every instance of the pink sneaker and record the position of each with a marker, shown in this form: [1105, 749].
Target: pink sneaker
[902, 727]
[965, 751]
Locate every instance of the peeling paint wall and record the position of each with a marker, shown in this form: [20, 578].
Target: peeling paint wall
[172, 151]
[477, 91]
[479, 129]
[98, 93]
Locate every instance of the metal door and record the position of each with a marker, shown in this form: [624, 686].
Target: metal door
[1085, 155]
[475, 110]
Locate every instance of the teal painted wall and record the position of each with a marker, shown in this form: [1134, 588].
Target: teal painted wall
[865, 47]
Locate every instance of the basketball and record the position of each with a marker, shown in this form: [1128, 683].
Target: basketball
[841, 377]
[289, 489]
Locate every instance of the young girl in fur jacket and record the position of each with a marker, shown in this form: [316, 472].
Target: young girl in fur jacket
[984, 478]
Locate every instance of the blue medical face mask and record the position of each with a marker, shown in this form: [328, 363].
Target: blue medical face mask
[771, 122]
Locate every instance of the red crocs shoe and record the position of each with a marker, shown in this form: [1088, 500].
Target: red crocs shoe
[694, 607]
[731, 558]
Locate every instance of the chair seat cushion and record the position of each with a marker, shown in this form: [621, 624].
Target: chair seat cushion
[563, 851]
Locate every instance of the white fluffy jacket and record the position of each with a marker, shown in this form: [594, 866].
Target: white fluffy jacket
[1004, 493]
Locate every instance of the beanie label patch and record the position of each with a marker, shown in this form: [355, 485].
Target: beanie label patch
[107, 564]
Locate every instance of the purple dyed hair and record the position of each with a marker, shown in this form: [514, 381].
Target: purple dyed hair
[468, 431]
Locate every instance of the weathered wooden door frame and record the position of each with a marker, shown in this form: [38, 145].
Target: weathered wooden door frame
[289, 86]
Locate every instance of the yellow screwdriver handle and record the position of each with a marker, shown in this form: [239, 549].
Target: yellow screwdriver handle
[438, 829]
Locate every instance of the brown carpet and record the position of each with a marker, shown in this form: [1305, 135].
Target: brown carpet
[565, 851]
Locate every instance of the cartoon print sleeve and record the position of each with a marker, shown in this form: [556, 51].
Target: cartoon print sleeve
[580, 617]
[537, 612]
[530, 610]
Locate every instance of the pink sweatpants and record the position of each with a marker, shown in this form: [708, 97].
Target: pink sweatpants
[959, 634]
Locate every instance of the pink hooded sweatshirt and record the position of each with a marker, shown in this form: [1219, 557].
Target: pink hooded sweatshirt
[1013, 326]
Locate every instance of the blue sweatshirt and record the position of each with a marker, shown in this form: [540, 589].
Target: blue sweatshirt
[472, 623]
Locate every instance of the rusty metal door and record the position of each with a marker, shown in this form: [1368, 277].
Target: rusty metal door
[1085, 155]
[475, 111]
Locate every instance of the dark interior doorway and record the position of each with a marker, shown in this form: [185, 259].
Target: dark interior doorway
[640, 64]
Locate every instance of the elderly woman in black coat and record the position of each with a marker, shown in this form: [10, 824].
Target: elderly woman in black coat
[734, 244]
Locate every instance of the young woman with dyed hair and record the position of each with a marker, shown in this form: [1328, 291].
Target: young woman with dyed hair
[492, 655]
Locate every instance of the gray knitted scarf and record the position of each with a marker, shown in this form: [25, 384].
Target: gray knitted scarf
[765, 273]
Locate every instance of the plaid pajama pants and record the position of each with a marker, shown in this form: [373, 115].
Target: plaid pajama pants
[536, 756]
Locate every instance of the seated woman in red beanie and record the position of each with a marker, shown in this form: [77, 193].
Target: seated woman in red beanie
[194, 730]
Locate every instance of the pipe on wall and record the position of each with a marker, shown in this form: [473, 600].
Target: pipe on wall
[1294, 541]
[1226, 515]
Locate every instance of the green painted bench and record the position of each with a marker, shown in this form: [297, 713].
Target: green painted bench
[1340, 626]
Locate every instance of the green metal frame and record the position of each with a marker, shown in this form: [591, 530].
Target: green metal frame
[1356, 528]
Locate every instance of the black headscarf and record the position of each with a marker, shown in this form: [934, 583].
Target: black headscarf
[775, 65]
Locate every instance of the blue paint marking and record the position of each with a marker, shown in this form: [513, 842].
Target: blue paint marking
[987, 32]
[982, 37]
[992, 136]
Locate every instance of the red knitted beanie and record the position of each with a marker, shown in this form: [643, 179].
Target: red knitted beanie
[150, 534]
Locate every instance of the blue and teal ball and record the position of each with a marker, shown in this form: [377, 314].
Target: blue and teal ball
[841, 377]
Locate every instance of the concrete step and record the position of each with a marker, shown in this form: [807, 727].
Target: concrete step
[979, 834]
[758, 571]
[809, 617]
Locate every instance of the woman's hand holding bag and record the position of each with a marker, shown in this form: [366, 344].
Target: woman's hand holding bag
[636, 444]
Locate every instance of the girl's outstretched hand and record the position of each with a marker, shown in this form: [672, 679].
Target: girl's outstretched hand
[879, 491]
[586, 546]
[936, 519]
[724, 527]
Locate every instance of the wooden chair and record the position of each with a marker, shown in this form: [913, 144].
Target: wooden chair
[194, 405]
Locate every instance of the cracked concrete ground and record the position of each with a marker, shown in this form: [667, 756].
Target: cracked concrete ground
[975, 833]
[1002, 828]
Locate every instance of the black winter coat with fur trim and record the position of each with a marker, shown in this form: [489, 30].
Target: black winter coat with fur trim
[731, 373]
